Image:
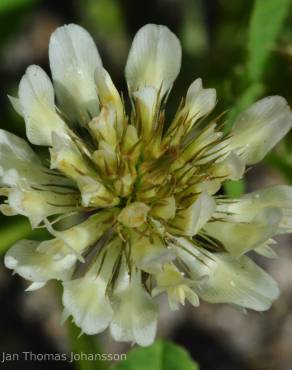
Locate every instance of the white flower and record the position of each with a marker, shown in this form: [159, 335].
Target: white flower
[145, 188]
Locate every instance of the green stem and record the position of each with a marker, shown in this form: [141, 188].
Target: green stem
[87, 345]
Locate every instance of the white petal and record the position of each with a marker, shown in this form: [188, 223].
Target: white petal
[130, 144]
[200, 101]
[192, 297]
[171, 280]
[35, 286]
[150, 254]
[240, 237]
[154, 59]
[18, 163]
[232, 167]
[66, 157]
[20, 167]
[247, 207]
[209, 187]
[73, 60]
[15, 102]
[36, 95]
[192, 219]
[78, 237]
[109, 95]
[258, 129]
[266, 251]
[18, 146]
[135, 315]
[201, 140]
[26, 261]
[103, 126]
[240, 282]
[95, 194]
[165, 208]
[85, 300]
[37, 205]
[146, 99]
[134, 215]
[229, 280]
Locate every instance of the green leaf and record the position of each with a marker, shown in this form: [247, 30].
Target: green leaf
[84, 344]
[11, 5]
[161, 355]
[281, 164]
[17, 229]
[266, 23]
[234, 189]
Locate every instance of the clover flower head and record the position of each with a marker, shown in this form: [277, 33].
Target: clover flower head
[145, 188]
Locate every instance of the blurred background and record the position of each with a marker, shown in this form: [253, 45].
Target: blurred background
[243, 48]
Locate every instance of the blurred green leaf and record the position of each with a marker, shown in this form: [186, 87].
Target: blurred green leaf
[234, 189]
[281, 164]
[104, 16]
[193, 32]
[84, 344]
[161, 355]
[11, 5]
[266, 23]
[17, 229]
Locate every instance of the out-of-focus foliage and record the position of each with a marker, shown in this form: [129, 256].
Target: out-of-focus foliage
[10, 5]
[86, 345]
[242, 48]
[266, 22]
[161, 355]
[265, 25]
[18, 229]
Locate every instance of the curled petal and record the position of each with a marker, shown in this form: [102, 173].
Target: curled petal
[109, 96]
[25, 259]
[199, 101]
[36, 96]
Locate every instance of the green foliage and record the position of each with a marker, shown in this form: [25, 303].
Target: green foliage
[161, 355]
[103, 16]
[267, 19]
[84, 344]
[19, 228]
[234, 188]
[11, 5]
[266, 23]
[281, 163]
